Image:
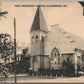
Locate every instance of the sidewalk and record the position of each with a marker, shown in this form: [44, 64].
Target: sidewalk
[58, 80]
[24, 78]
[12, 75]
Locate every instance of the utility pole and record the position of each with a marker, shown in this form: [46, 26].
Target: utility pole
[15, 48]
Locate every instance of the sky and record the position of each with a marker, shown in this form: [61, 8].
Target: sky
[70, 18]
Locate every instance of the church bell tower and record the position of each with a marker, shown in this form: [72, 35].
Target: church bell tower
[38, 33]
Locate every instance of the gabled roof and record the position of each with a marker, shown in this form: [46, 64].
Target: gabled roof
[65, 42]
[39, 22]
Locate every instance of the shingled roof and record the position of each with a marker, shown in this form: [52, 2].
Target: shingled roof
[65, 41]
[39, 22]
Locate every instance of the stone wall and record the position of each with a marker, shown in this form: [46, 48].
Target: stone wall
[41, 62]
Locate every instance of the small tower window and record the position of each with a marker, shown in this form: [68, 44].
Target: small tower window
[33, 38]
[36, 36]
[42, 38]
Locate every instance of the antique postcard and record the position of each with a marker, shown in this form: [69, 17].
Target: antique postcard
[41, 42]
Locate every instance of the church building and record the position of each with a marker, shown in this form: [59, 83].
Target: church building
[50, 48]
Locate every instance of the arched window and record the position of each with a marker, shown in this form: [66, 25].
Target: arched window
[33, 38]
[36, 36]
[55, 56]
[55, 52]
[42, 38]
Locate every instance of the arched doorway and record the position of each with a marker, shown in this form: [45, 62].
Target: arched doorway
[55, 59]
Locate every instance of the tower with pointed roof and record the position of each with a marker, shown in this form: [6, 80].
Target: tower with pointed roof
[38, 32]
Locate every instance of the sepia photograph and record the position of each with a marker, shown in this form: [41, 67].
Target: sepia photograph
[42, 42]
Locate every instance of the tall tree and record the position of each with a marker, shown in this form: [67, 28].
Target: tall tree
[24, 62]
[6, 46]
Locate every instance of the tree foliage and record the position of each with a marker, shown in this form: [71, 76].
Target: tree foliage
[25, 51]
[68, 68]
[6, 46]
[3, 13]
[24, 62]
